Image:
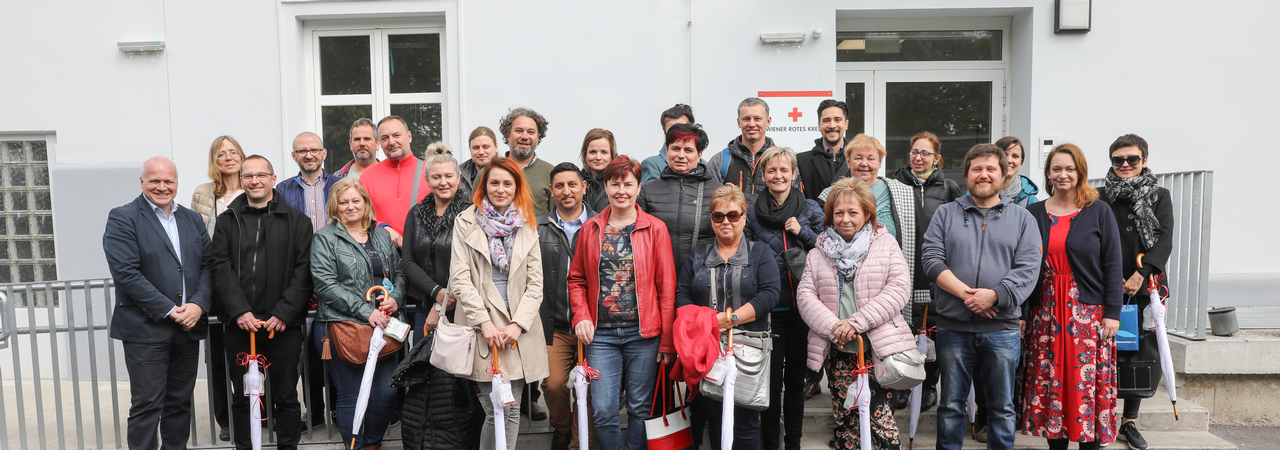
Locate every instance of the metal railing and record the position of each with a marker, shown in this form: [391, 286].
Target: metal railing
[1188, 267]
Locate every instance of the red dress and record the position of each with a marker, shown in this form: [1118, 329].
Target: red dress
[1070, 390]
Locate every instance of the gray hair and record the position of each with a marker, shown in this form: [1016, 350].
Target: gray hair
[753, 101]
[361, 122]
[504, 126]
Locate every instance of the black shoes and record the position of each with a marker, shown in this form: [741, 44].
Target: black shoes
[929, 399]
[812, 389]
[560, 441]
[1130, 435]
[224, 434]
[901, 398]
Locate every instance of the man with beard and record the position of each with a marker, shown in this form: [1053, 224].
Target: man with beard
[824, 164]
[522, 129]
[262, 273]
[736, 164]
[394, 185]
[364, 149]
[984, 253]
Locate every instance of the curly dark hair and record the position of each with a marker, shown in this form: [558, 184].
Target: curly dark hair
[504, 126]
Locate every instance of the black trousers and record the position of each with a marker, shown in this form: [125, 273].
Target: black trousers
[282, 353]
[787, 374]
[161, 378]
[217, 361]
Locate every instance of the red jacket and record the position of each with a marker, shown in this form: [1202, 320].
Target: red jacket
[655, 275]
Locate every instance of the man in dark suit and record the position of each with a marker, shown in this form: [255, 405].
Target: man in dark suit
[158, 253]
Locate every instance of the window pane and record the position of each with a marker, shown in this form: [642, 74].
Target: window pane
[4, 252]
[17, 176]
[49, 272]
[862, 46]
[43, 224]
[21, 225]
[855, 96]
[344, 65]
[22, 249]
[26, 273]
[43, 201]
[4, 228]
[17, 200]
[13, 152]
[414, 62]
[39, 175]
[6, 273]
[39, 152]
[958, 112]
[46, 248]
[337, 122]
[424, 121]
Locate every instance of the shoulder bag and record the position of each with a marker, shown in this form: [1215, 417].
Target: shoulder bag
[751, 354]
[453, 349]
[351, 338]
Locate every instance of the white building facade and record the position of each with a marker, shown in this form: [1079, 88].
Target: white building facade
[78, 116]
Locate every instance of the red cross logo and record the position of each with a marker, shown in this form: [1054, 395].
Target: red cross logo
[795, 114]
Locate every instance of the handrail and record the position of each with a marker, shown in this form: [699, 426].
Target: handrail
[4, 322]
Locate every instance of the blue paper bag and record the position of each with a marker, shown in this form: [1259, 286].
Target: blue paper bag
[1127, 336]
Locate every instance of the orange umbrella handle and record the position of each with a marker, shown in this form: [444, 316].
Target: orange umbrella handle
[862, 362]
[925, 319]
[579, 352]
[1140, 255]
[729, 348]
[253, 339]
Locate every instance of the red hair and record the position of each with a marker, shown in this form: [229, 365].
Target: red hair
[620, 167]
[523, 200]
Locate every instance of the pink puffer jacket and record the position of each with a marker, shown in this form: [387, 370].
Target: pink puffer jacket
[882, 287]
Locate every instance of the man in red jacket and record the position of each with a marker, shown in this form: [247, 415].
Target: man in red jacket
[395, 184]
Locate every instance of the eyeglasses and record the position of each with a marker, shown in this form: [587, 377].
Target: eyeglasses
[308, 151]
[257, 176]
[733, 216]
[923, 153]
[1133, 160]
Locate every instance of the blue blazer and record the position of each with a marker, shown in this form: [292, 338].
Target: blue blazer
[148, 276]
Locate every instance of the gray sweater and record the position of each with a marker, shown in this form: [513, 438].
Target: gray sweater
[1000, 252]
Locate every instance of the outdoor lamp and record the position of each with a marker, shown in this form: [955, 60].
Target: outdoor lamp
[1072, 16]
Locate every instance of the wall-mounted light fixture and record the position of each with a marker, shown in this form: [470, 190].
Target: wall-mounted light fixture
[1072, 16]
[782, 38]
[141, 47]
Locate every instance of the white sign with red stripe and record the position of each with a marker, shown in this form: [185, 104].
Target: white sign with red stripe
[794, 120]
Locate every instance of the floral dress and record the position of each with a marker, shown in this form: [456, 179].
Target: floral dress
[1070, 390]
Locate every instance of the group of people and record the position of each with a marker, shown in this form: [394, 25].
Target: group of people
[645, 266]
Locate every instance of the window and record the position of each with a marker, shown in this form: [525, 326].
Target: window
[374, 73]
[27, 251]
[862, 46]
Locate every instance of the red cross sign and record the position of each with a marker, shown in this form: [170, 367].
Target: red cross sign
[795, 114]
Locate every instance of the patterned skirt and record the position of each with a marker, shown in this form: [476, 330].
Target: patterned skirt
[1070, 390]
[884, 431]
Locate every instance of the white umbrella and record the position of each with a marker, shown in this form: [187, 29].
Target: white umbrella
[253, 387]
[376, 342]
[973, 411]
[859, 395]
[495, 396]
[1158, 311]
[922, 344]
[582, 376]
[730, 381]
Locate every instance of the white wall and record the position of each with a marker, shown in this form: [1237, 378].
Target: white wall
[1184, 76]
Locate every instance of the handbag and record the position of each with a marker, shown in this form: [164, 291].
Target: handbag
[453, 349]
[902, 370]
[1138, 373]
[751, 353]
[669, 430]
[795, 258]
[351, 341]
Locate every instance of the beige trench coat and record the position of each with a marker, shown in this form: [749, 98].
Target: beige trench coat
[470, 276]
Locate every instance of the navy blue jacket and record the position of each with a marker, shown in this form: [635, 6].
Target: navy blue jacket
[810, 219]
[291, 190]
[758, 284]
[1093, 249]
[148, 275]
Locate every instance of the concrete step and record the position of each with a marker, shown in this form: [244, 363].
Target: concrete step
[1159, 440]
[1156, 415]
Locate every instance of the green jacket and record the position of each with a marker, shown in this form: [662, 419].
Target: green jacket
[341, 272]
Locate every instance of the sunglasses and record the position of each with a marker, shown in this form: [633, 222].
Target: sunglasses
[719, 217]
[1133, 160]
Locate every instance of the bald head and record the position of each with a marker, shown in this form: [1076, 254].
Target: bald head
[160, 182]
[309, 153]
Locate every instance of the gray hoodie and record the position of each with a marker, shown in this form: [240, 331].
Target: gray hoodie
[1000, 252]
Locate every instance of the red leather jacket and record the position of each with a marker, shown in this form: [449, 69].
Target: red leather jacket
[654, 271]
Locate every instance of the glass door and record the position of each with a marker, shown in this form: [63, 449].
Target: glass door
[962, 107]
[857, 88]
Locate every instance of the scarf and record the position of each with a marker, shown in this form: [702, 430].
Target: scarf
[845, 255]
[434, 225]
[501, 229]
[773, 215]
[1139, 191]
[1014, 189]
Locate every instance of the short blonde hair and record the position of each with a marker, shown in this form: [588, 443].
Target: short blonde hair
[861, 193]
[774, 152]
[438, 153]
[728, 194]
[862, 141]
[341, 186]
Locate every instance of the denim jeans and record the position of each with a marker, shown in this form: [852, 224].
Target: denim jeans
[382, 409]
[624, 358]
[988, 358]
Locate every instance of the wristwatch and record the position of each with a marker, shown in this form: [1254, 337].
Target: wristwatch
[439, 307]
[733, 317]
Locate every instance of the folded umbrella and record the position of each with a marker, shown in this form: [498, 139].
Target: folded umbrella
[495, 396]
[858, 395]
[376, 342]
[253, 386]
[922, 344]
[582, 376]
[730, 380]
[1158, 310]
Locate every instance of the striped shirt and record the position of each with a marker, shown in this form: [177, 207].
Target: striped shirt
[313, 200]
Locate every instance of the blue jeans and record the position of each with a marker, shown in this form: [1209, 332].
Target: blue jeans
[623, 357]
[987, 358]
[346, 380]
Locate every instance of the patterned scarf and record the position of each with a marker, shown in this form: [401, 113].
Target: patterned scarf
[845, 255]
[432, 224]
[1139, 191]
[501, 229]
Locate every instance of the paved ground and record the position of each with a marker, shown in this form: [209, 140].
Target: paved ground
[1248, 438]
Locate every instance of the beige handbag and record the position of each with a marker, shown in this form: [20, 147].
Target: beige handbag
[454, 346]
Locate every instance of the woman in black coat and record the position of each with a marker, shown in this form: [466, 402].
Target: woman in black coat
[440, 411]
[784, 220]
[681, 196]
[1144, 214]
